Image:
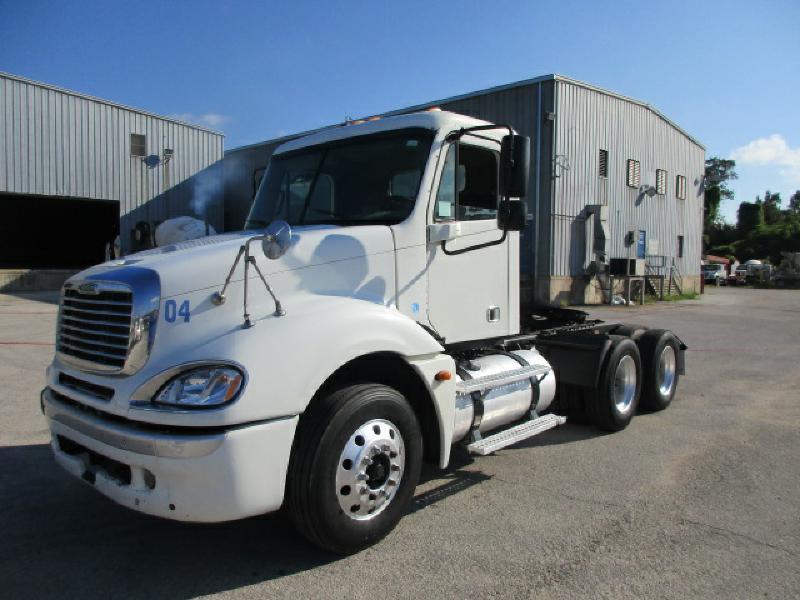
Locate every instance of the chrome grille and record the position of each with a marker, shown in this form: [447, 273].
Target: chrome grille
[95, 325]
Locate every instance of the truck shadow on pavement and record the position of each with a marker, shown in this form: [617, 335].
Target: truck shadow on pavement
[63, 539]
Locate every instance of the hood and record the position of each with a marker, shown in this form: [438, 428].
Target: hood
[324, 259]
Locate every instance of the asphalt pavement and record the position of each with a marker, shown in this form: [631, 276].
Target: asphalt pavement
[699, 501]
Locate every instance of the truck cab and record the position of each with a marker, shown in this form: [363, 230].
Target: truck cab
[365, 320]
[715, 274]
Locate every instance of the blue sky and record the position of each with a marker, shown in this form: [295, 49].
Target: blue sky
[727, 72]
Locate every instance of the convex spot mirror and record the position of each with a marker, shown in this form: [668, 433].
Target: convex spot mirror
[515, 158]
[277, 238]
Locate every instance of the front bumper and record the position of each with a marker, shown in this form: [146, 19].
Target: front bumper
[203, 475]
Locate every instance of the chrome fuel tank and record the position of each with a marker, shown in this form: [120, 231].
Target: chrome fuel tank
[506, 403]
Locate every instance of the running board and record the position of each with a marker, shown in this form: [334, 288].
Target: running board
[481, 384]
[510, 436]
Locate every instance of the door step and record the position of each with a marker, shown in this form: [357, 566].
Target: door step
[481, 384]
[507, 437]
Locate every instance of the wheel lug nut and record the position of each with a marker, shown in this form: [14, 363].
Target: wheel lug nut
[363, 490]
[395, 467]
[385, 447]
[361, 477]
[391, 482]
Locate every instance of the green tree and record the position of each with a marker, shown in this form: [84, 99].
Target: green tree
[718, 172]
[794, 203]
[772, 208]
[750, 217]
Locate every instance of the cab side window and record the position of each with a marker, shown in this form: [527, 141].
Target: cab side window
[469, 186]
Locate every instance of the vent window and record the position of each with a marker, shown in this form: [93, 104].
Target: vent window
[661, 181]
[138, 144]
[602, 165]
[634, 171]
[680, 187]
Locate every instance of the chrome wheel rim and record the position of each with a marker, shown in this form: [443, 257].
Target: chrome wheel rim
[667, 367]
[370, 469]
[625, 384]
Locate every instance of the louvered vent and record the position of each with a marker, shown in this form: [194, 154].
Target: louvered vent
[661, 181]
[680, 187]
[603, 163]
[634, 173]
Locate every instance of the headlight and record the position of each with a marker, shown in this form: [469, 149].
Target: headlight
[201, 387]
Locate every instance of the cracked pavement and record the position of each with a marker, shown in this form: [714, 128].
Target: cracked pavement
[698, 501]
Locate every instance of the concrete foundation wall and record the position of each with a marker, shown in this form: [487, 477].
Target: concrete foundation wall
[33, 280]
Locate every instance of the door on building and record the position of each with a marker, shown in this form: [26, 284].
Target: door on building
[469, 292]
[641, 244]
[44, 232]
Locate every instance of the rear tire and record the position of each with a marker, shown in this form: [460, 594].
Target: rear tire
[612, 405]
[659, 349]
[355, 464]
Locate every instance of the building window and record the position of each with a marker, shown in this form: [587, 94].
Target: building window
[603, 163]
[680, 187]
[680, 246]
[138, 144]
[661, 182]
[634, 173]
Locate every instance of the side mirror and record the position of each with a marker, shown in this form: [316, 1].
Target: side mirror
[511, 216]
[515, 159]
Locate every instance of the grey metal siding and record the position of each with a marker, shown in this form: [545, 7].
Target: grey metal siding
[588, 120]
[58, 143]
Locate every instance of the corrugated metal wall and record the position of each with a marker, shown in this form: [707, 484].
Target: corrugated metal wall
[57, 143]
[588, 120]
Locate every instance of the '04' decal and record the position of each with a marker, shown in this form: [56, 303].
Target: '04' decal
[172, 312]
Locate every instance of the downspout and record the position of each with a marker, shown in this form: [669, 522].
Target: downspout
[553, 177]
[536, 211]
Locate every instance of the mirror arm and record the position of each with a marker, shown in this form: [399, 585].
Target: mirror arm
[456, 134]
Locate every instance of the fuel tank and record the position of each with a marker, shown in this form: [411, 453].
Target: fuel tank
[506, 403]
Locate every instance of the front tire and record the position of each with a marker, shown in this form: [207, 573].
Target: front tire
[355, 464]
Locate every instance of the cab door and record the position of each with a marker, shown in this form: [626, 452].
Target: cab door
[469, 292]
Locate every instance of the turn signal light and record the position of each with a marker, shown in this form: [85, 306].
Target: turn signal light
[443, 376]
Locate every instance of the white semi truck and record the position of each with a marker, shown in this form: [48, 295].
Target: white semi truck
[366, 319]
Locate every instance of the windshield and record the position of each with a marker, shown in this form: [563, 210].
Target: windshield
[362, 181]
[712, 267]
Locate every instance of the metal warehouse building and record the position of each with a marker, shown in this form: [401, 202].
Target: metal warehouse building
[611, 178]
[76, 171]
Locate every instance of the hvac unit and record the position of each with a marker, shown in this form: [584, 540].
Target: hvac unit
[627, 266]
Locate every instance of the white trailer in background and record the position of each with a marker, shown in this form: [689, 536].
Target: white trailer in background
[366, 320]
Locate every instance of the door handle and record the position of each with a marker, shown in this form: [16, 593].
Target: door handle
[441, 232]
